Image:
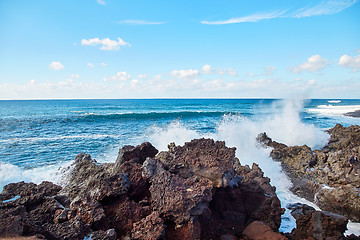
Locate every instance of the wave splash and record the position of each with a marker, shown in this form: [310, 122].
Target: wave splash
[240, 132]
[237, 131]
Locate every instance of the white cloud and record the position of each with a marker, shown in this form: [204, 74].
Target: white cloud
[142, 76]
[323, 8]
[90, 65]
[105, 43]
[76, 76]
[230, 71]
[189, 73]
[269, 70]
[206, 69]
[102, 2]
[56, 66]
[103, 64]
[347, 61]
[251, 18]
[119, 76]
[139, 22]
[313, 64]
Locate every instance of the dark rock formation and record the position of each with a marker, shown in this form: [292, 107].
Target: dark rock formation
[321, 176]
[312, 224]
[355, 114]
[198, 191]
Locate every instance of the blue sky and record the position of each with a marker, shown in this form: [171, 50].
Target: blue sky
[64, 49]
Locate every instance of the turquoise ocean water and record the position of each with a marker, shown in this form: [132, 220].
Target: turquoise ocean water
[39, 139]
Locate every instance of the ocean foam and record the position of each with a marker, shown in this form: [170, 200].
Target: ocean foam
[238, 131]
[10, 173]
[331, 110]
[334, 101]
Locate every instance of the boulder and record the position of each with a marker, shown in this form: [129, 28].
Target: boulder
[312, 224]
[96, 180]
[204, 158]
[259, 231]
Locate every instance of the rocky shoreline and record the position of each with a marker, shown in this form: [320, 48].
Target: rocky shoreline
[196, 191]
[355, 114]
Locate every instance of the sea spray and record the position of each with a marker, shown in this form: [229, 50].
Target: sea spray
[240, 132]
[54, 173]
[175, 132]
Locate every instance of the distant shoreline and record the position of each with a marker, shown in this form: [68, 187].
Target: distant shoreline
[355, 114]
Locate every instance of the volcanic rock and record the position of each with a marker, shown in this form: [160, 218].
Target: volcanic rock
[321, 175]
[259, 231]
[312, 224]
[195, 191]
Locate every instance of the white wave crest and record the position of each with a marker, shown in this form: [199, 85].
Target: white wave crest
[331, 110]
[10, 173]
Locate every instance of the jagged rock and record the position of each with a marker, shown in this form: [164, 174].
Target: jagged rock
[321, 176]
[97, 180]
[150, 228]
[343, 200]
[177, 198]
[122, 213]
[109, 234]
[189, 230]
[198, 191]
[312, 224]
[137, 154]
[343, 138]
[232, 209]
[259, 231]
[203, 158]
[34, 210]
[88, 211]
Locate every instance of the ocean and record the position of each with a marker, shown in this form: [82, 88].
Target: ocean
[39, 139]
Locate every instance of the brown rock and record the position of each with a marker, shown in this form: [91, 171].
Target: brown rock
[150, 228]
[259, 231]
[203, 158]
[137, 154]
[321, 176]
[312, 224]
[177, 198]
[122, 213]
[96, 180]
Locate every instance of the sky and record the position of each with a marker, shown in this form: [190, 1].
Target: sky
[114, 49]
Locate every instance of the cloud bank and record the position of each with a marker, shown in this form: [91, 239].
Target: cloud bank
[105, 43]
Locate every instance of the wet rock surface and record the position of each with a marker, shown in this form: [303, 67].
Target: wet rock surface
[196, 191]
[322, 175]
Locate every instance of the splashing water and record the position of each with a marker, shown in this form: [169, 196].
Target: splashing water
[237, 131]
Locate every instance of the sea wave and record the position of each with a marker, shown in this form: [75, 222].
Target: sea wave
[155, 115]
[38, 139]
[334, 101]
[10, 173]
[331, 110]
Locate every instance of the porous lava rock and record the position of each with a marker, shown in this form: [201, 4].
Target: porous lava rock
[322, 175]
[195, 191]
[312, 224]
